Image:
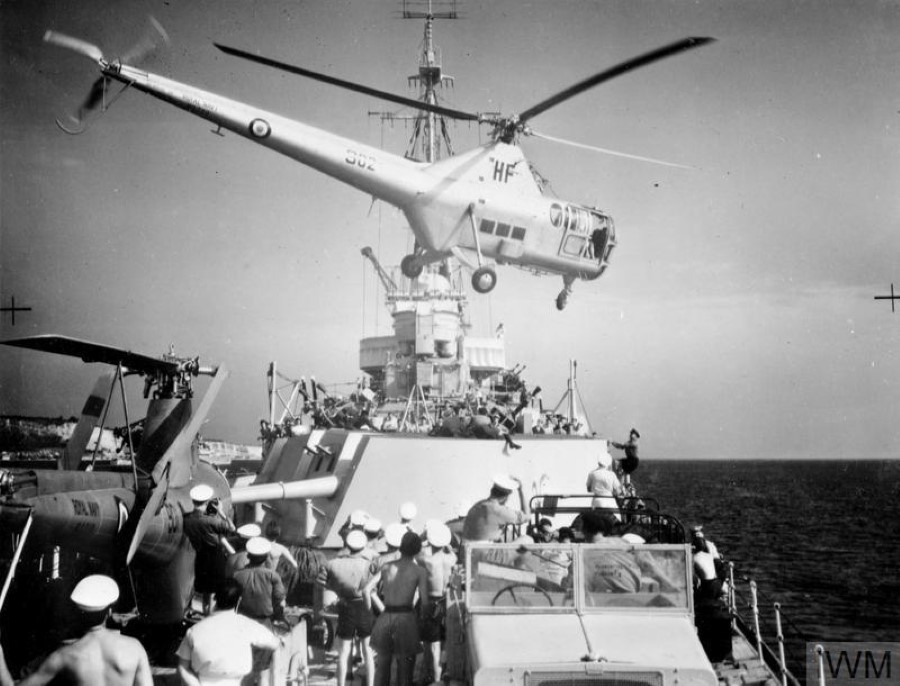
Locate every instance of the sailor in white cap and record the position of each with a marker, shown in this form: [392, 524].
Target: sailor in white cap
[355, 521]
[348, 575]
[239, 559]
[204, 531]
[219, 649]
[263, 597]
[487, 519]
[373, 531]
[438, 560]
[393, 536]
[603, 483]
[358, 519]
[100, 656]
[408, 512]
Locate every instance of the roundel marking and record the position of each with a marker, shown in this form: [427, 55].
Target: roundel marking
[555, 214]
[259, 128]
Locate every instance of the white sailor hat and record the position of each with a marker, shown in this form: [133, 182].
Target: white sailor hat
[502, 482]
[439, 535]
[393, 534]
[372, 525]
[632, 538]
[408, 511]
[201, 493]
[359, 518]
[356, 540]
[249, 531]
[430, 524]
[259, 547]
[95, 593]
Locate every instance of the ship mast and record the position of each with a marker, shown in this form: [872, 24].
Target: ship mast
[431, 138]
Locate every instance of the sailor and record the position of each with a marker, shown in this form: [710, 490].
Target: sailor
[279, 551]
[348, 575]
[408, 512]
[699, 541]
[355, 521]
[100, 656]
[396, 632]
[709, 572]
[457, 523]
[393, 536]
[219, 649]
[238, 559]
[604, 484]
[374, 534]
[204, 530]
[487, 519]
[438, 560]
[485, 425]
[629, 463]
[263, 594]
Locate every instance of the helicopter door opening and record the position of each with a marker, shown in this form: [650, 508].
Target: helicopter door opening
[576, 223]
[588, 234]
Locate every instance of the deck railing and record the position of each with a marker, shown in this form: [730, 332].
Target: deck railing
[777, 662]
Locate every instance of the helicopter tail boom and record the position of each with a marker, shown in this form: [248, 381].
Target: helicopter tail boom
[386, 176]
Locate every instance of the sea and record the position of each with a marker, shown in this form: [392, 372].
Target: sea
[820, 537]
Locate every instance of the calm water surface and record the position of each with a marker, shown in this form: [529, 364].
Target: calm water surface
[820, 537]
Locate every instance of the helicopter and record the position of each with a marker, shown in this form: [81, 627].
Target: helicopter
[476, 206]
[128, 518]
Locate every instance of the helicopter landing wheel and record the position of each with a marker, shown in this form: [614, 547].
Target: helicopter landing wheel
[562, 300]
[484, 279]
[411, 267]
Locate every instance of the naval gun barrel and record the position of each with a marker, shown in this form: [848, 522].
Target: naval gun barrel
[307, 488]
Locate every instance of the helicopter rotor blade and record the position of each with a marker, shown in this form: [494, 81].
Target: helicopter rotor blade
[171, 472]
[94, 352]
[150, 510]
[349, 85]
[611, 73]
[62, 40]
[607, 151]
[179, 475]
[154, 37]
[94, 97]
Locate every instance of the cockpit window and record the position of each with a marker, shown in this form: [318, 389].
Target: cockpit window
[574, 245]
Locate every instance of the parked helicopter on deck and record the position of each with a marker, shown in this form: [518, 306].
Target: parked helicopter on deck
[129, 519]
[479, 205]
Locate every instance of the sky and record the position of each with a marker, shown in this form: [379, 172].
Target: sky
[737, 318]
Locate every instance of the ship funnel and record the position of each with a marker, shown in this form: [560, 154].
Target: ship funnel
[307, 488]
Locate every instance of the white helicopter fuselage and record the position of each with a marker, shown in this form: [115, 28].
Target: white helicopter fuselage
[481, 202]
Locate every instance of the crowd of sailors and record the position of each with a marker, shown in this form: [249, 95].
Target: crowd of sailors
[386, 588]
[472, 416]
